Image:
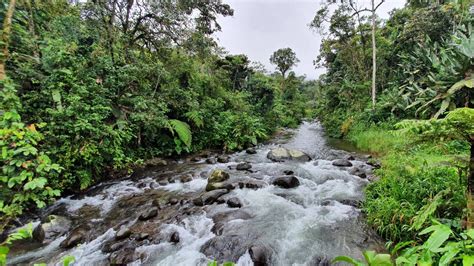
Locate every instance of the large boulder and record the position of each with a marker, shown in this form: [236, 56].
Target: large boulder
[216, 180]
[218, 176]
[286, 181]
[282, 154]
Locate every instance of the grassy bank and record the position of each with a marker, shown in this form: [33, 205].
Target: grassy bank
[414, 174]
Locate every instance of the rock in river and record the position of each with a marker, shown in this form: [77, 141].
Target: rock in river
[251, 150]
[286, 181]
[174, 237]
[123, 233]
[76, 236]
[215, 181]
[218, 176]
[243, 166]
[358, 172]
[342, 163]
[281, 154]
[223, 159]
[148, 214]
[234, 202]
[211, 160]
[211, 196]
[259, 255]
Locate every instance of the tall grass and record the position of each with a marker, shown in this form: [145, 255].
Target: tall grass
[413, 172]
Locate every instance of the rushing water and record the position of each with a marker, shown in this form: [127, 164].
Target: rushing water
[297, 226]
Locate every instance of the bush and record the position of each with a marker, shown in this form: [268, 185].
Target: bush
[27, 171]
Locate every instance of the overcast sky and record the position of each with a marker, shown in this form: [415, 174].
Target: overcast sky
[259, 27]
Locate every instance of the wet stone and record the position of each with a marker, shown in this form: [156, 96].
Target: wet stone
[212, 196]
[111, 246]
[38, 233]
[342, 163]
[251, 150]
[243, 166]
[141, 236]
[234, 202]
[223, 159]
[186, 178]
[211, 160]
[163, 182]
[174, 238]
[350, 158]
[123, 256]
[288, 172]
[123, 233]
[173, 201]
[259, 255]
[286, 181]
[76, 236]
[321, 261]
[358, 172]
[148, 214]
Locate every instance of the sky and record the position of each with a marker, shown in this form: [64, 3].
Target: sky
[260, 27]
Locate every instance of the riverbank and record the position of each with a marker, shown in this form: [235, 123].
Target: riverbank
[413, 171]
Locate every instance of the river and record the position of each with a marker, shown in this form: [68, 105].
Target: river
[305, 225]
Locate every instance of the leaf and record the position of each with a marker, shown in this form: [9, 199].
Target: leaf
[467, 260]
[35, 183]
[348, 260]
[212, 263]
[444, 105]
[183, 130]
[440, 234]
[448, 256]
[470, 233]
[427, 210]
[461, 84]
[4, 250]
[381, 260]
[68, 260]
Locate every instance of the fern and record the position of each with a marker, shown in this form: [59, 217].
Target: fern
[195, 117]
[182, 129]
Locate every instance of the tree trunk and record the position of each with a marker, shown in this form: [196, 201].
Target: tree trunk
[470, 189]
[32, 29]
[374, 55]
[7, 26]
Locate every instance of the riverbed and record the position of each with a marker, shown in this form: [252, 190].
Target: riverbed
[155, 216]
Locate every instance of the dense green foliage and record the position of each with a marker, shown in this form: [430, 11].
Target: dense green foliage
[111, 83]
[425, 70]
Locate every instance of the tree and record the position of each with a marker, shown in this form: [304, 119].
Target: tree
[322, 16]
[284, 59]
[7, 25]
